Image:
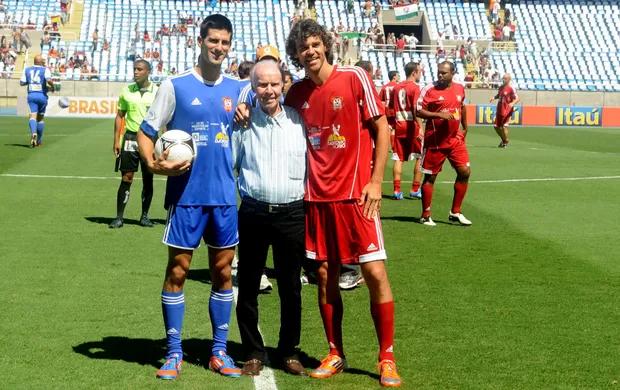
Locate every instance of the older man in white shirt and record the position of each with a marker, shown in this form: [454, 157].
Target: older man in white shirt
[270, 158]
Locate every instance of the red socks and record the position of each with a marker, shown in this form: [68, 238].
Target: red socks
[383, 317]
[396, 186]
[332, 322]
[427, 198]
[459, 194]
[415, 187]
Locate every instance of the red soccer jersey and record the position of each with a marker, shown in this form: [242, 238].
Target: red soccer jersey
[441, 133]
[386, 96]
[404, 99]
[339, 142]
[506, 95]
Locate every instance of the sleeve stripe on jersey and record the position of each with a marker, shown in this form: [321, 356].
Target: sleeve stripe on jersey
[423, 95]
[370, 99]
[244, 93]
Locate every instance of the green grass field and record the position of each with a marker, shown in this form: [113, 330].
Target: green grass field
[526, 298]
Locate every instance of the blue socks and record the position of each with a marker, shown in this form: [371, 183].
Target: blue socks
[220, 306]
[32, 124]
[40, 127]
[173, 308]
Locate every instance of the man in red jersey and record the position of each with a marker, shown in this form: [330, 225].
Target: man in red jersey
[506, 99]
[386, 95]
[442, 105]
[339, 106]
[407, 141]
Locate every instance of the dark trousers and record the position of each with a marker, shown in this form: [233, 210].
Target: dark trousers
[282, 227]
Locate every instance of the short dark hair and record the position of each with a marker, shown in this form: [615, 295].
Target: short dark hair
[366, 65]
[217, 22]
[244, 69]
[301, 31]
[145, 62]
[392, 74]
[451, 64]
[411, 67]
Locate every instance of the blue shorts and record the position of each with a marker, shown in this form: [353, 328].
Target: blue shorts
[186, 225]
[37, 103]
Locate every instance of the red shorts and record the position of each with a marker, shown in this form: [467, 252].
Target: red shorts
[502, 120]
[433, 159]
[406, 148]
[338, 231]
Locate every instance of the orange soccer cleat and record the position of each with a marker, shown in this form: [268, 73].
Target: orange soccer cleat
[389, 375]
[330, 366]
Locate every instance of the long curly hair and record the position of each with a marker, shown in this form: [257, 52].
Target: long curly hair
[301, 31]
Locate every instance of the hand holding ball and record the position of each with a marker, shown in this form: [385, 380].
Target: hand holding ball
[179, 144]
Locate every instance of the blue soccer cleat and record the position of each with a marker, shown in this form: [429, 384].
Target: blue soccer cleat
[416, 194]
[171, 368]
[397, 196]
[224, 365]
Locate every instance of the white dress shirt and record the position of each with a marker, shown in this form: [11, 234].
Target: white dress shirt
[270, 156]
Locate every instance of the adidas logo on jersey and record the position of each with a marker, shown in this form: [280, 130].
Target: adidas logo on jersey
[371, 247]
[172, 331]
[223, 326]
[305, 106]
[196, 102]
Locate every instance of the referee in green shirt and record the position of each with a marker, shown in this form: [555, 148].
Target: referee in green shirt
[133, 104]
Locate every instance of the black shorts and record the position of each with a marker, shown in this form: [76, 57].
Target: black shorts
[130, 157]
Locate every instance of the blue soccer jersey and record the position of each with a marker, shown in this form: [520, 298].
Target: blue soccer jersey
[206, 111]
[36, 77]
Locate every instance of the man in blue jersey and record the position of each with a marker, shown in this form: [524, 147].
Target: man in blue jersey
[200, 197]
[38, 78]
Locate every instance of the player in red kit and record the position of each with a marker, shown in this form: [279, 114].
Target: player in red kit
[407, 140]
[386, 97]
[507, 98]
[340, 107]
[442, 105]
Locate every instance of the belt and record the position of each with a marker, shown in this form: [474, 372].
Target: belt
[273, 208]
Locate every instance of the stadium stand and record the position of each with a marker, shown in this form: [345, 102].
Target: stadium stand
[562, 44]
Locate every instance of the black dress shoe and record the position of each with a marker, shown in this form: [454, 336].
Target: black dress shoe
[252, 367]
[294, 366]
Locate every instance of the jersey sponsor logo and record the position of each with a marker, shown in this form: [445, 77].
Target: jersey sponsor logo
[305, 106]
[228, 105]
[222, 137]
[485, 114]
[337, 103]
[578, 116]
[200, 133]
[336, 140]
[196, 102]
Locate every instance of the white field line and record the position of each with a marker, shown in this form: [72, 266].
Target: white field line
[265, 380]
[524, 180]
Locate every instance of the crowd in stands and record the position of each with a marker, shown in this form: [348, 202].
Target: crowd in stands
[503, 28]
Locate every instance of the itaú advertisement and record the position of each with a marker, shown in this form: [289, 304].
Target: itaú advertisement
[485, 114]
[578, 116]
[83, 107]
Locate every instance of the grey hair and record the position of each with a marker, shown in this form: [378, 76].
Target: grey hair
[260, 64]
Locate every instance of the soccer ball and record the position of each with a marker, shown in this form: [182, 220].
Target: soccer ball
[179, 144]
[63, 102]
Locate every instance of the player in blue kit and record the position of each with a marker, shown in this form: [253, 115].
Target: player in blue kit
[200, 198]
[38, 80]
